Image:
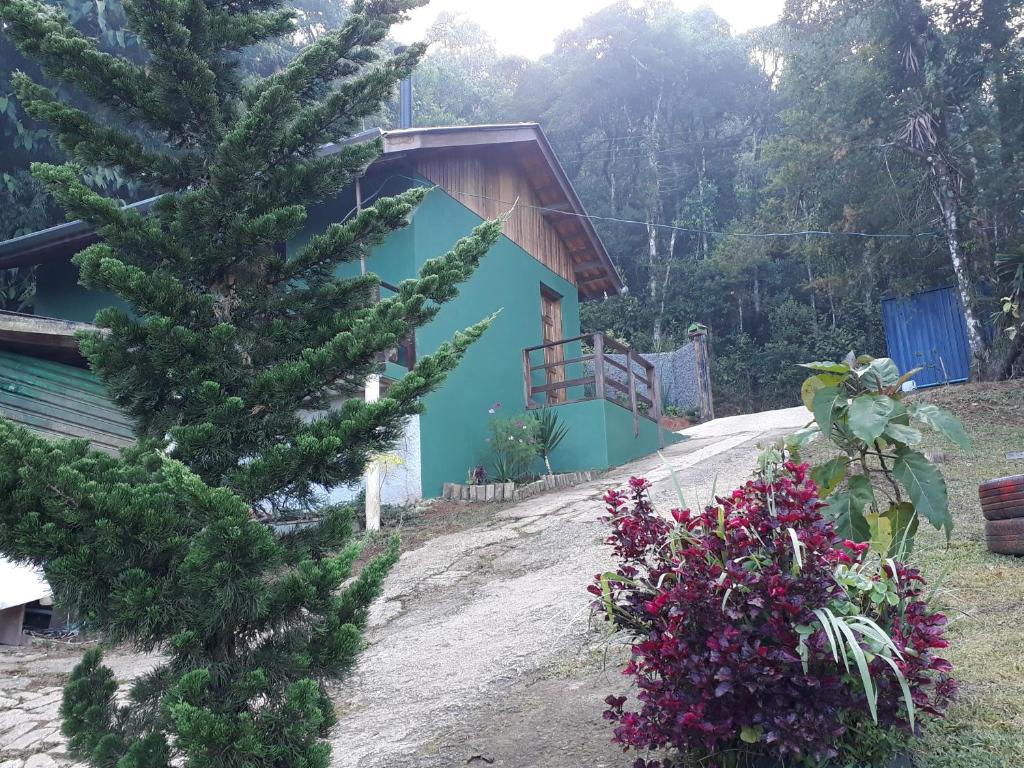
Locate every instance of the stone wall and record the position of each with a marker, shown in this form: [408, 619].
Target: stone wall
[677, 373]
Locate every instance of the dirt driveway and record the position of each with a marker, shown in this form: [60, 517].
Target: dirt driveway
[481, 651]
[482, 648]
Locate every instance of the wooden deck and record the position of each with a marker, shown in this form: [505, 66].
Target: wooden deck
[591, 367]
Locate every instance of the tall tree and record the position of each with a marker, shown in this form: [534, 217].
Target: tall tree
[228, 364]
[943, 78]
[647, 106]
[464, 79]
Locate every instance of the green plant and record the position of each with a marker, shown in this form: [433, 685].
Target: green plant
[514, 446]
[673, 411]
[881, 485]
[17, 289]
[1010, 270]
[761, 637]
[229, 355]
[551, 430]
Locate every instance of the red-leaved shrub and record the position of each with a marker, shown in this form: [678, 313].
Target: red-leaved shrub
[729, 656]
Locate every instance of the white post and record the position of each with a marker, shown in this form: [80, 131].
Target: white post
[372, 477]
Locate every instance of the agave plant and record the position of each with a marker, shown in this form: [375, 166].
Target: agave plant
[551, 430]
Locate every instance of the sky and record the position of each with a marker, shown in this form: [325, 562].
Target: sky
[529, 27]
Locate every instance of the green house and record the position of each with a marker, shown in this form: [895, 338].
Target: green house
[549, 260]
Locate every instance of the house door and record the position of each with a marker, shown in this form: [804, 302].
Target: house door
[551, 323]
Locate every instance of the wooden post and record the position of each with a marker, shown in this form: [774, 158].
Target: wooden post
[652, 376]
[527, 379]
[699, 338]
[631, 380]
[599, 366]
[372, 477]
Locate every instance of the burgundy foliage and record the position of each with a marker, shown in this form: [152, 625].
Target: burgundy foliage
[713, 600]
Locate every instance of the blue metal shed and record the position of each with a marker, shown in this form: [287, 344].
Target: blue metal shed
[927, 330]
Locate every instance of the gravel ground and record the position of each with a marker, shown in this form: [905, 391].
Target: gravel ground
[481, 651]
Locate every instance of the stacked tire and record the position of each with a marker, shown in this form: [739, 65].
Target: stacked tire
[1002, 504]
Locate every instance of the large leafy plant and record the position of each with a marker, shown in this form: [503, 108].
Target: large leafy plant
[882, 484]
[758, 634]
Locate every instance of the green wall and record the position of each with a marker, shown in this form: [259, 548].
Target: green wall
[601, 435]
[58, 294]
[454, 426]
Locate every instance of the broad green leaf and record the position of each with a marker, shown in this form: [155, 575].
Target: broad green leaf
[925, 486]
[862, 495]
[880, 373]
[827, 367]
[898, 433]
[827, 401]
[892, 532]
[797, 440]
[814, 383]
[849, 521]
[751, 734]
[869, 415]
[829, 475]
[941, 421]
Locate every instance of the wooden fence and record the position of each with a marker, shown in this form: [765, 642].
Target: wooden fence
[592, 367]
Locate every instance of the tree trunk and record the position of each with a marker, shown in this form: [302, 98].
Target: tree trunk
[652, 280]
[946, 197]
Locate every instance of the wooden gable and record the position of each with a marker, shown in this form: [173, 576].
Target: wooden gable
[492, 184]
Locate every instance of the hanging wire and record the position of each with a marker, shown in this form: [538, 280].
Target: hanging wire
[668, 227]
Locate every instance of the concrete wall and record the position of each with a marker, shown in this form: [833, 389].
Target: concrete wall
[601, 435]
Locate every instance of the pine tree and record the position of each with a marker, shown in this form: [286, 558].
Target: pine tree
[229, 364]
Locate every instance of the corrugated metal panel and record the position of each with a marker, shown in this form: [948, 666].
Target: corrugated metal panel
[928, 330]
[59, 400]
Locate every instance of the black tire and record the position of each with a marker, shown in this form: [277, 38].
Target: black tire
[1009, 498]
[1005, 537]
[1000, 486]
[1004, 512]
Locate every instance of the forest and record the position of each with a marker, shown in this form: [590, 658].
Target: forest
[774, 186]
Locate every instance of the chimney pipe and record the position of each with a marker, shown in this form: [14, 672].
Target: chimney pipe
[404, 96]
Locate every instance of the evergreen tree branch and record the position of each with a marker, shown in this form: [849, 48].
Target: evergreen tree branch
[124, 229]
[152, 292]
[348, 241]
[47, 35]
[340, 444]
[91, 143]
[343, 110]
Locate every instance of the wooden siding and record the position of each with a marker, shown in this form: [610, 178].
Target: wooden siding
[488, 184]
[59, 400]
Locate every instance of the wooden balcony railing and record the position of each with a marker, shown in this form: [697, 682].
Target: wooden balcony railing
[591, 367]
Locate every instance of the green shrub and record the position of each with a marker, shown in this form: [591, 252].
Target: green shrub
[858, 406]
[514, 445]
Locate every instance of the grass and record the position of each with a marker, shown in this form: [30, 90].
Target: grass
[981, 593]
